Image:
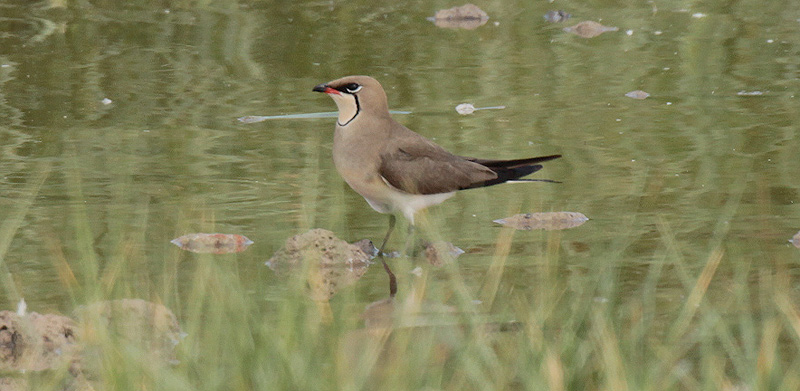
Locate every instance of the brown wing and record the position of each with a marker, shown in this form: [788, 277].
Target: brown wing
[419, 166]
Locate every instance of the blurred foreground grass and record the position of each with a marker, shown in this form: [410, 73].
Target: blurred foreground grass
[726, 326]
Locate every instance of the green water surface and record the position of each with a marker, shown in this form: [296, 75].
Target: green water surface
[683, 277]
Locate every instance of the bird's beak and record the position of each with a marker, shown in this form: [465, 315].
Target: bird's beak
[326, 89]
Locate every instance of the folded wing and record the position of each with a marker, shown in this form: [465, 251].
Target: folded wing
[425, 168]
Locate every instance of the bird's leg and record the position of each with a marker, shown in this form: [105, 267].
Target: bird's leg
[392, 278]
[392, 220]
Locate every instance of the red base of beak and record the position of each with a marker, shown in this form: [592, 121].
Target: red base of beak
[324, 88]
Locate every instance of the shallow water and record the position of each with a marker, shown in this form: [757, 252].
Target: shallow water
[701, 167]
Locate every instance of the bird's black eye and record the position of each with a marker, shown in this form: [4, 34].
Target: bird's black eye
[353, 87]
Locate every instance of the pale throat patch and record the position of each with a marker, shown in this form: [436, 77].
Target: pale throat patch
[348, 108]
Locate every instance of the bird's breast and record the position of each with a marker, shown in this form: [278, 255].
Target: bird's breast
[357, 161]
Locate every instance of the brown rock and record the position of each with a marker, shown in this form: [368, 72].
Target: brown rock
[333, 262]
[35, 342]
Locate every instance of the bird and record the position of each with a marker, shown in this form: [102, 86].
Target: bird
[397, 170]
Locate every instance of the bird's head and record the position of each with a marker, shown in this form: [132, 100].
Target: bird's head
[355, 95]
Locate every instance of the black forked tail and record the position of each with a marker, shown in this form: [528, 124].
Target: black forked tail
[492, 164]
[510, 170]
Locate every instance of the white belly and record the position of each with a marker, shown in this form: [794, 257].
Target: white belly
[405, 203]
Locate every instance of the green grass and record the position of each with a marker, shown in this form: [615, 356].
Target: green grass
[717, 330]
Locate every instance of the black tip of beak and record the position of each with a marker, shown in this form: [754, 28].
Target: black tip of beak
[320, 88]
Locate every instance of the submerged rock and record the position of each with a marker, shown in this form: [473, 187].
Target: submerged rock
[589, 29]
[467, 16]
[367, 247]
[331, 262]
[441, 253]
[212, 243]
[637, 94]
[544, 220]
[379, 314]
[556, 16]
